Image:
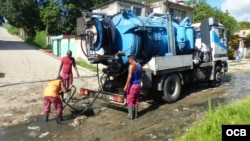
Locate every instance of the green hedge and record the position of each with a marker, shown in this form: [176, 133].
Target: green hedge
[11, 29]
[39, 40]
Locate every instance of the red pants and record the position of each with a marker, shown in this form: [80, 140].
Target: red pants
[67, 79]
[55, 101]
[133, 94]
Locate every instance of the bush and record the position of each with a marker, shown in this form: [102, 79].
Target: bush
[84, 64]
[231, 53]
[40, 39]
[11, 29]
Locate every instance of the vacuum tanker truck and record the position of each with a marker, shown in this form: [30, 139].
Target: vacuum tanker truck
[172, 53]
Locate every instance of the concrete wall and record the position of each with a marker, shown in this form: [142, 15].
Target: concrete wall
[61, 44]
[109, 9]
[79, 53]
[178, 10]
[117, 6]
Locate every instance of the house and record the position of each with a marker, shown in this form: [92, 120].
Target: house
[176, 7]
[244, 45]
[114, 6]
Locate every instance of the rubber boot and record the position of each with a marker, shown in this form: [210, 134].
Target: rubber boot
[46, 118]
[130, 112]
[135, 110]
[60, 117]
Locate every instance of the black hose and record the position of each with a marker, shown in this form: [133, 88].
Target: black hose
[82, 46]
[72, 93]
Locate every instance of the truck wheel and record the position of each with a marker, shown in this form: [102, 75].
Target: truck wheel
[171, 88]
[217, 78]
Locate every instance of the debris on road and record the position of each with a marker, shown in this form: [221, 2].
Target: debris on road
[34, 128]
[44, 134]
[78, 121]
[7, 115]
[176, 110]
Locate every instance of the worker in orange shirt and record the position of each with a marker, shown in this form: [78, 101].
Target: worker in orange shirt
[52, 93]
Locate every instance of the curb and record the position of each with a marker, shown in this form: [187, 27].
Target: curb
[50, 54]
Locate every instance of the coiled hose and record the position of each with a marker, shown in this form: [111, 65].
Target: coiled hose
[72, 91]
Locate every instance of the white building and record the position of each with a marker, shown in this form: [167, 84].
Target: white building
[176, 7]
[115, 6]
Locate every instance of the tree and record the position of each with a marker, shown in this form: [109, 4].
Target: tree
[22, 14]
[51, 16]
[202, 10]
[244, 24]
[97, 2]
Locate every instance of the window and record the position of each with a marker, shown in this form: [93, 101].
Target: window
[179, 14]
[137, 11]
[183, 14]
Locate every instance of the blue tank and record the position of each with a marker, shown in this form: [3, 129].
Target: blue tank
[143, 37]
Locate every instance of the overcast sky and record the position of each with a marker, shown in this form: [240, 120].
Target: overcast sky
[240, 9]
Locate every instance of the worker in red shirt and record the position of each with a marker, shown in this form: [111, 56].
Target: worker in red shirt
[51, 95]
[66, 69]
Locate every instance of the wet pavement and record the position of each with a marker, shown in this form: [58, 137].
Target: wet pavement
[157, 120]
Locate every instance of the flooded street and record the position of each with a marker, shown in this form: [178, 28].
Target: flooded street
[157, 120]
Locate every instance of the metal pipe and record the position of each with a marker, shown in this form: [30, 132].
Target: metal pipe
[171, 36]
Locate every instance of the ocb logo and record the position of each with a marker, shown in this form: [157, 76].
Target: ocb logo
[236, 132]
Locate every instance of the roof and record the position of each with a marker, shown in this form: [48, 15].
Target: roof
[111, 1]
[243, 33]
[131, 2]
[172, 4]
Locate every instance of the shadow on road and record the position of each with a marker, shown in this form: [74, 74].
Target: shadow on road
[1, 75]
[154, 99]
[16, 45]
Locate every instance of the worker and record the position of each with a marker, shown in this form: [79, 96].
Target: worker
[52, 93]
[133, 87]
[66, 70]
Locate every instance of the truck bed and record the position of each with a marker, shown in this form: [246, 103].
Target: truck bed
[163, 64]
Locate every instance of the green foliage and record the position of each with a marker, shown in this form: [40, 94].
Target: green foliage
[248, 37]
[244, 24]
[11, 29]
[22, 14]
[209, 129]
[54, 16]
[202, 10]
[39, 40]
[233, 44]
[97, 2]
[84, 64]
[51, 17]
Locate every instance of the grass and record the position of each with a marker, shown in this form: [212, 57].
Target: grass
[209, 128]
[86, 65]
[11, 29]
[39, 40]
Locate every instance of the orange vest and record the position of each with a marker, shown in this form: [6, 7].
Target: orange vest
[53, 89]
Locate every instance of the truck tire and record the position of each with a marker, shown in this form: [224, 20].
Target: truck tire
[171, 88]
[217, 78]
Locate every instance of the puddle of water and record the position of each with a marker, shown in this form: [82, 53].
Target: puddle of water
[35, 130]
